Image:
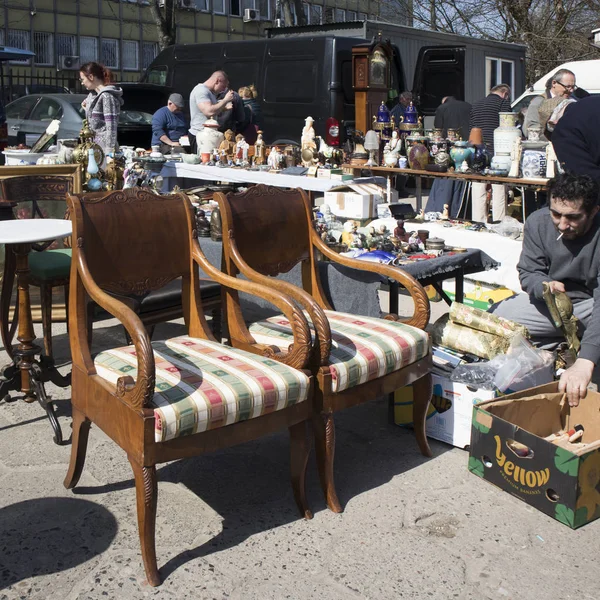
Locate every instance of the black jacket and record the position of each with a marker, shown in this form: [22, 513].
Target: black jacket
[453, 114]
[576, 138]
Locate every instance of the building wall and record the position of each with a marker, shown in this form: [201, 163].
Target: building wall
[122, 34]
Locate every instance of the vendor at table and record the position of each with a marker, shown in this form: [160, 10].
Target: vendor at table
[169, 124]
[561, 246]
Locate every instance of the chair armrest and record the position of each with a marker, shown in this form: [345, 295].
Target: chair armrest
[420, 317]
[316, 313]
[299, 352]
[137, 394]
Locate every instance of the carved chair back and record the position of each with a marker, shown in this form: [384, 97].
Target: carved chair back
[38, 197]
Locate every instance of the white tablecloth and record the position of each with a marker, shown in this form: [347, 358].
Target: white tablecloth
[502, 249]
[175, 170]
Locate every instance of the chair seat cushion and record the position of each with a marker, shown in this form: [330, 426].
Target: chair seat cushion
[50, 264]
[362, 348]
[203, 385]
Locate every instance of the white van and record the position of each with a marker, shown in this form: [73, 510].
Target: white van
[587, 77]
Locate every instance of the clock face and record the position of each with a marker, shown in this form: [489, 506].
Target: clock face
[378, 69]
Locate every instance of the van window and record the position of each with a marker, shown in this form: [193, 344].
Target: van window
[158, 75]
[291, 81]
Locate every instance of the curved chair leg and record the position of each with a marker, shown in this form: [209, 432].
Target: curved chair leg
[46, 302]
[79, 441]
[325, 447]
[422, 391]
[299, 452]
[146, 492]
[7, 330]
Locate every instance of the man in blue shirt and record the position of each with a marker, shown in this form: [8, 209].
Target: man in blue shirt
[169, 124]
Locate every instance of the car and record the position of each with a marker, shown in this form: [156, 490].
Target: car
[28, 117]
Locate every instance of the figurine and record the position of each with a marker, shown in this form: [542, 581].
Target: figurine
[350, 236]
[395, 143]
[422, 214]
[446, 213]
[202, 224]
[216, 225]
[308, 135]
[399, 232]
[227, 146]
[274, 159]
[259, 150]
[241, 150]
[515, 158]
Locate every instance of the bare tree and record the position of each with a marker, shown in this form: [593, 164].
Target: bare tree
[164, 17]
[288, 14]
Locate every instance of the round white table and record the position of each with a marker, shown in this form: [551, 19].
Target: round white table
[26, 372]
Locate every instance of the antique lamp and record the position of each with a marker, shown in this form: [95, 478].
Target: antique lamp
[372, 145]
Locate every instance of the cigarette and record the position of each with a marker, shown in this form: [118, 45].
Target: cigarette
[558, 238]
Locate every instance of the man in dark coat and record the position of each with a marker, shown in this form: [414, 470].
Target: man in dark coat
[576, 138]
[453, 114]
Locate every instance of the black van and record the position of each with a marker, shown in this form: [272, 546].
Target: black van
[295, 78]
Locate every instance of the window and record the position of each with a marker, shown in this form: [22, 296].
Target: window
[218, 6]
[18, 38]
[201, 5]
[20, 108]
[362, 16]
[66, 45]
[264, 9]
[131, 59]
[316, 14]
[351, 15]
[497, 71]
[340, 15]
[43, 46]
[235, 8]
[158, 75]
[149, 52]
[110, 53]
[46, 110]
[88, 49]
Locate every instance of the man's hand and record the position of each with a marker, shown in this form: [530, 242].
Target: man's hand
[171, 143]
[229, 106]
[556, 286]
[228, 96]
[574, 380]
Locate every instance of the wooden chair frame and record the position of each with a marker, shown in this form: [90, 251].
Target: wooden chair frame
[248, 249]
[123, 411]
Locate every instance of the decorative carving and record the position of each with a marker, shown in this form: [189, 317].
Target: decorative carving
[137, 288]
[149, 476]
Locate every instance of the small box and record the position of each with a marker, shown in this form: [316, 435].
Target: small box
[508, 449]
[356, 200]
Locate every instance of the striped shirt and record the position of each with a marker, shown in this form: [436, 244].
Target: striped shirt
[485, 115]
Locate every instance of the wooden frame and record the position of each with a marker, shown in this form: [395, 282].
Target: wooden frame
[73, 171]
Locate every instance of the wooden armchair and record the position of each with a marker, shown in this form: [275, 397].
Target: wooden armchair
[37, 197]
[181, 397]
[266, 231]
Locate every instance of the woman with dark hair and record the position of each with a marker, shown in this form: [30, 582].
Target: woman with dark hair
[103, 104]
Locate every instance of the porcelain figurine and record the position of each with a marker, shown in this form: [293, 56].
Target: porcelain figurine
[395, 142]
[227, 145]
[241, 150]
[390, 159]
[515, 158]
[274, 159]
[259, 149]
[308, 135]
[350, 236]
[446, 213]
[399, 231]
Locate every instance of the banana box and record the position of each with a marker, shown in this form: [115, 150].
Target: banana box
[450, 411]
[518, 445]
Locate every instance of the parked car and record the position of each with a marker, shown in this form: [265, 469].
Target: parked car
[28, 117]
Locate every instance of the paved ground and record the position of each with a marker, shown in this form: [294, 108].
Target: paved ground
[227, 525]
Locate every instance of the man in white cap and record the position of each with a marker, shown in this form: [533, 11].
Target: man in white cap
[169, 124]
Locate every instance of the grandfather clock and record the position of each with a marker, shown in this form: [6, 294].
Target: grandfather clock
[371, 80]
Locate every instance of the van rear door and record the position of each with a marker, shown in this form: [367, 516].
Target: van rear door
[439, 72]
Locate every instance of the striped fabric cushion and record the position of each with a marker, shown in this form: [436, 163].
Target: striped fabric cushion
[362, 348]
[203, 385]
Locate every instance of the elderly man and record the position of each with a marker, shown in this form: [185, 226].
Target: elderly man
[169, 124]
[404, 100]
[561, 85]
[485, 114]
[561, 246]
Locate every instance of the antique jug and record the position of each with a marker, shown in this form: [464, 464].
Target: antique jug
[461, 151]
[209, 138]
[417, 152]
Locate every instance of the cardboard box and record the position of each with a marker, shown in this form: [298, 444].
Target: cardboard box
[356, 200]
[555, 480]
[451, 411]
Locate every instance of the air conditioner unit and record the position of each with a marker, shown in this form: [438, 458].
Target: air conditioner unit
[188, 4]
[250, 14]
[161, 3]
[68, 63]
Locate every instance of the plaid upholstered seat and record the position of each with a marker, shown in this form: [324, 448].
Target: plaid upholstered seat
[362, 348]
[203, 385]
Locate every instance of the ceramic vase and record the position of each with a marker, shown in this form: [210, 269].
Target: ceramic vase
[93, 183]
[533, 160]
[461, 151]
[410, 115]
[480, 158]
[505, 136]
[418, 154]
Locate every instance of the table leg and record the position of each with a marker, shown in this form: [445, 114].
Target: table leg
[419, 192]
[459, 290]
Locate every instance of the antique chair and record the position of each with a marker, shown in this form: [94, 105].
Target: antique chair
[266, 231]
[37, 196]
[164, 400]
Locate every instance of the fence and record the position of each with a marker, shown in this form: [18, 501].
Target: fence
[19, 83]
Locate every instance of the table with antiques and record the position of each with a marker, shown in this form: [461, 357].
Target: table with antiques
[173, 172]
[537, 184]
[26, 373]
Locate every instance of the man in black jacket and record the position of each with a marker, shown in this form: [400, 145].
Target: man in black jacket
[576, 138]
[453, 114]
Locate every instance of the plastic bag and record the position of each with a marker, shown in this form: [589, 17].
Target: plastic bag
[508, 227]
[507, 371]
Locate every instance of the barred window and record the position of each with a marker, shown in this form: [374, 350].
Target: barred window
[218, 6]
[149, 52]
[362, 16]
[110, 53]
[43, 46]
[264, 9]
[316, 14]
[340, 15]
[18, 38]
[351, 15]
[131, 60]
[88, 49]
[66, 45]
[201, 4]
